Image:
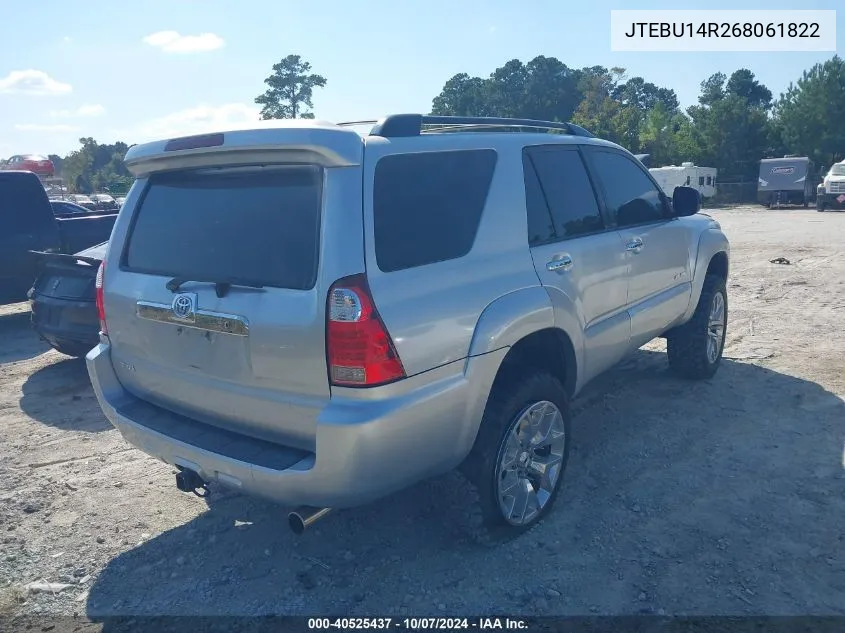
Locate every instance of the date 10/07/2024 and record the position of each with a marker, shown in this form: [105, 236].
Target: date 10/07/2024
[418, 624]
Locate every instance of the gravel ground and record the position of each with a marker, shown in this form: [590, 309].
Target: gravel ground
[719, 497]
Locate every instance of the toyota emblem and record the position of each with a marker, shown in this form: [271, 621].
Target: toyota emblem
[183, 307]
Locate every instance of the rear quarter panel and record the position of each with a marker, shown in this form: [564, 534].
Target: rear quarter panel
[432, 311]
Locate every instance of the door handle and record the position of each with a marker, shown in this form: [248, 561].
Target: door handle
[559, 265]
[635, 245]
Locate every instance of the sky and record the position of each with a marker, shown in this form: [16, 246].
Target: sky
[165, 68]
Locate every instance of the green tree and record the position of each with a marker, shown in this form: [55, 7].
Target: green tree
[657, 135]
[731, 127]
[810, 114]
[290, 89]
[742, 83]
[57, 163]
[544, 88]
[645, 95]
[463, 95]
[95, 168]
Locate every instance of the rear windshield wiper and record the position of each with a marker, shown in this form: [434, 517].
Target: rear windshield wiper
[221, 286]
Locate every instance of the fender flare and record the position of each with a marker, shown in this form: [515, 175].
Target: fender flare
[510, 318]
[710, 243]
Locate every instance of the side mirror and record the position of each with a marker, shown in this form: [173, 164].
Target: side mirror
[686, 201]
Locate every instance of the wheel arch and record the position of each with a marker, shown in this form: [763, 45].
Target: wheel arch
[713, 257]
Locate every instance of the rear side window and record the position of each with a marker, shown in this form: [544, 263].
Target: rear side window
[630, 194]
[258, 226]
[567, 190]
[541, 228]
[427, 206]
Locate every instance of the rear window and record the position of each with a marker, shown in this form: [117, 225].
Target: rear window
[427, 206]
[259, 227]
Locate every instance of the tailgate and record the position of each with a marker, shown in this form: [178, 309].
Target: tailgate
[248, 356]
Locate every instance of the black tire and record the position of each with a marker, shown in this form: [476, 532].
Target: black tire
[819, 206]
[514, 391]
[687, 345]
[72, 348]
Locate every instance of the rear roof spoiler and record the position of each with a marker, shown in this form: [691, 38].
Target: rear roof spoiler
[45, 256]
[304, 142]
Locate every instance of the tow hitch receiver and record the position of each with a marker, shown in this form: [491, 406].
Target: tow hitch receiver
[189, 481]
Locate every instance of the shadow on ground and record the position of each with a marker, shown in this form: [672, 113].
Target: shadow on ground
[678, 496]
[20, 342]
[52, 396]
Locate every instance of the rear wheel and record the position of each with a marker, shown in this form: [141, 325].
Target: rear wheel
[695, 348]
[517, 463]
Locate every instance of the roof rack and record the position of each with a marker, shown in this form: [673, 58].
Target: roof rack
[398, 125]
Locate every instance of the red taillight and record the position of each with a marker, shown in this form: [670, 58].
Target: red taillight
[359, 349]
[98, 293]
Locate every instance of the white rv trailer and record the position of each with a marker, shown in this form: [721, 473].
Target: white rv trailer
[689, 175]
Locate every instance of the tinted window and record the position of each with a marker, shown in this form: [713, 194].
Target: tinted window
[700, 180]
[259, 227]
[541, 229]
[568, 191]
[629, 192]
[427, 206]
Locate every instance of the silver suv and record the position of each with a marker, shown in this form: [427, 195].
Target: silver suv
[322, 317]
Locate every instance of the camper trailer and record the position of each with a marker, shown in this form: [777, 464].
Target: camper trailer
[787, 180]
[687, 175]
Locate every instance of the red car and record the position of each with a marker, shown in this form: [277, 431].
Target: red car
[39, 165]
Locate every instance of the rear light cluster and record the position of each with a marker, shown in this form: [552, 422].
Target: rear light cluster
[359, 349]
[98, 293]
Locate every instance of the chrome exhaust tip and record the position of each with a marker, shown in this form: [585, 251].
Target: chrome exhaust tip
[302, 518]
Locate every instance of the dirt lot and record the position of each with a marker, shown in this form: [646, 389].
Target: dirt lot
[721, 497]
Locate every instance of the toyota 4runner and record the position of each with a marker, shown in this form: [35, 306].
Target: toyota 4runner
[322, 317]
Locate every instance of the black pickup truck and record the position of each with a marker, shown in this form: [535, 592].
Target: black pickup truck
[27, 224]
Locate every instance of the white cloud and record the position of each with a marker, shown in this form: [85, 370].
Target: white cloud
[87, 110]
[202, 118]
[66, 39]
[32, 82]
[173, 42]
[45, 127]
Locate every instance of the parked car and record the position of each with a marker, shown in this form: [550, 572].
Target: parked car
[120, 200]
[62, 302]
[360, 313]
[104, 202]
[787, 180]
[64, 207]
[37, 164]
[831, 192]
[83, 201]
[27, 223]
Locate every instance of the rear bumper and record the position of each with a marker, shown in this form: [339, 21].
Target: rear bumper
[366, 448]
[783, 197]
[830, 201]
[64, 320]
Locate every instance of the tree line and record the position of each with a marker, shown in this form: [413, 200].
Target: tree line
[734, 124]
[736, 121]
